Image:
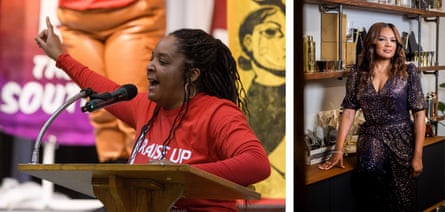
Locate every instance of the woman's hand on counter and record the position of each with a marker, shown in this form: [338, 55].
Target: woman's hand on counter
[335, 159]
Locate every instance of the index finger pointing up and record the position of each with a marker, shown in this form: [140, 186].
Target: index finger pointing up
[49, 25]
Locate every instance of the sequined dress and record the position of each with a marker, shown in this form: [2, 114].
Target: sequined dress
[386, 139]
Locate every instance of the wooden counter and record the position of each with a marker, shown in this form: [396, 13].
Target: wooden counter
[435, 206]
[314, 174]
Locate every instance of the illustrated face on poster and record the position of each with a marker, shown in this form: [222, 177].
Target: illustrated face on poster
[265, 45]
[262, 41]
[258, 42]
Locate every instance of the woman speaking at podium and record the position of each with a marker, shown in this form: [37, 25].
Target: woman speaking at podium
[195, 112]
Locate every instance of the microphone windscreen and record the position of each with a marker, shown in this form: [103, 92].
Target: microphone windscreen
[131, 90]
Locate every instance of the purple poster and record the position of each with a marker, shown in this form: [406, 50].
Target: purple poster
[31, 87]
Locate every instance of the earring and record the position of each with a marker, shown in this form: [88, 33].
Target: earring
[189, 87]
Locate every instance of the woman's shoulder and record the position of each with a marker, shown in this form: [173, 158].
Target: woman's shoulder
[207, 107]
[211, 100]
[412, 71]
[411, 68]
[211, 104]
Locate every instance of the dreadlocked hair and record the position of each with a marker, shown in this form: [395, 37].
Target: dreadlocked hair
[219, 74]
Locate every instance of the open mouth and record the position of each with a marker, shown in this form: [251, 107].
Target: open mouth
[154, 82]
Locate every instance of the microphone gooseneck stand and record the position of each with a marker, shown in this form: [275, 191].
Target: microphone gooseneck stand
[82, 94]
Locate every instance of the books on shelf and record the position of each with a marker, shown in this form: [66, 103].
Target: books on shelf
[319, 155]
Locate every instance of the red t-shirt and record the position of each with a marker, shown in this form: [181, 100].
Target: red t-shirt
[93, 4]
[214, 136]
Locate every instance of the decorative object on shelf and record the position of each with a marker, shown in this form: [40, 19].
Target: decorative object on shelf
[329, 36]
[423, 4]
[438, 4]
[319, 146]
[327, 66]
[428, 4]
[401, 7]
[319, 155]
[430, 113]
[406, 3]
[321, 66]
[424, 58]
[432, 116]
[427, 58]
[392, 2]
[440, 108]
[320, 142]
[309, 54]
[361, 34]
[411, 46]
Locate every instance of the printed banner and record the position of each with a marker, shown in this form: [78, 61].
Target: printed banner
[256, 31]
[31, 87]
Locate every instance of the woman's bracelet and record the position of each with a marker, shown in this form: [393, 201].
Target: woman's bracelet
[337, 151]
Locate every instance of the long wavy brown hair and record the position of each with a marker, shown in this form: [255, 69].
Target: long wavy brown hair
[368, 55]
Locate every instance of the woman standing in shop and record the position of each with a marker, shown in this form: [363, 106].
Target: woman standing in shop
[390, 143]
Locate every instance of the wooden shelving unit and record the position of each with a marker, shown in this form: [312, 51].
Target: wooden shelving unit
[380, 8]
[339, 74]
[325, 75]
[386, 8]
[432, 68]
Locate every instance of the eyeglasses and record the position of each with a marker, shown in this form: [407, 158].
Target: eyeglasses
[270, 33]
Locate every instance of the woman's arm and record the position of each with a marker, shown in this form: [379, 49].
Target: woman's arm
[238, 153]
[246, 168]
[419, 130]
[347, 119]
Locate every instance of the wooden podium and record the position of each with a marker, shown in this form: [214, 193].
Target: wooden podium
[141, 187]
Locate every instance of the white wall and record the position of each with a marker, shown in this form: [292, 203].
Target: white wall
[327, 94]
[184, 14]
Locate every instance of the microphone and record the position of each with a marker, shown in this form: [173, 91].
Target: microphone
[35, 153]
[123, 93]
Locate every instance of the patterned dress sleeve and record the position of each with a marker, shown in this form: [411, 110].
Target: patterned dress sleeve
[416, 99]
[350, 100]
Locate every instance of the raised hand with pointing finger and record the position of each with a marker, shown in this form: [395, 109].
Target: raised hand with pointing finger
[183, 113]
[49, 41]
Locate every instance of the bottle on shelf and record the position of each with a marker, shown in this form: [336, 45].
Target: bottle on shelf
[429, 132]
[309, 54]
